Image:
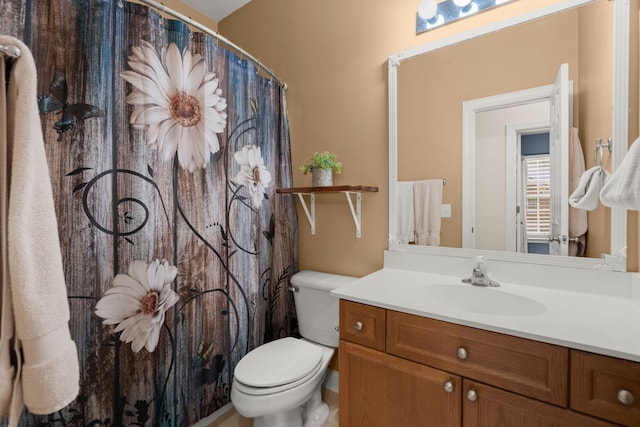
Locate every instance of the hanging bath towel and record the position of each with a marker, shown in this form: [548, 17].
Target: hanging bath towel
[623, 188]
[46, 367]
[427, 197]
[406, 222]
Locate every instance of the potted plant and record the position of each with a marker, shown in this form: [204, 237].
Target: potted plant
[322, 165]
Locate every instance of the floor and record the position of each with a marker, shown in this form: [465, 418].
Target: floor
[233, 419]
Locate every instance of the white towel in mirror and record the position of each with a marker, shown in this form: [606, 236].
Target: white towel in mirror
[427, 202]
[586, 195]
[406, 225]
[623, 188]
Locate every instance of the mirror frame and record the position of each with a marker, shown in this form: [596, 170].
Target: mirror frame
[620, 133]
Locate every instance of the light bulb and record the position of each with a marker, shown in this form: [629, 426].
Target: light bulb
[462, 3]
[428, 9]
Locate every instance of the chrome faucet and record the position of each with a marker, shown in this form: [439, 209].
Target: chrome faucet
[479, 276]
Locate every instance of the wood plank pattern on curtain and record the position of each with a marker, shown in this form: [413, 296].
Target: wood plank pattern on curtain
[124, 192]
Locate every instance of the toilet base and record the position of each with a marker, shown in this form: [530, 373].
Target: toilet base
[292, 418]
[314, 413]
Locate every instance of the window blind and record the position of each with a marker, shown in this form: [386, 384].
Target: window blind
[538, 194]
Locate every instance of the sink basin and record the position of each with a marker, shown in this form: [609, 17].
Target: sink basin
[484, 300]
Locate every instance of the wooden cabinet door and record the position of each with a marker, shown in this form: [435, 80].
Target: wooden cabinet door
[380, 390]
[606, 387]
[486, 406]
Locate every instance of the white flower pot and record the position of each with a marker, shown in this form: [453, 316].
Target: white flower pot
[322, 177]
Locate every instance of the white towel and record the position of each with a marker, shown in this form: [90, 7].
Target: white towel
[427, 200]
[406, 224]
[586, 195]
[623, 188]
[578, 224]
[47, 369]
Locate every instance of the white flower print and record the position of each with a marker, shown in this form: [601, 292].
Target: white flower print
[138, 301]
[253, 173]
[177, 102]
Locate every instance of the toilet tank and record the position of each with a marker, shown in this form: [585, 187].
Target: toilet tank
[316, 309]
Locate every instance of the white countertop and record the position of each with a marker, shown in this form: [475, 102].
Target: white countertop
[608, 325]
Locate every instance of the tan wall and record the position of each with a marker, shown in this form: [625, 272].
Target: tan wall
[333, 54]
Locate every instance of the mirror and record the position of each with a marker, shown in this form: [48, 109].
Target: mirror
[429, 84]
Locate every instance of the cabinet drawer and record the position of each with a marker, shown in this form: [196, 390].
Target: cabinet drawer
[606, 387]
[362, 324]
[530, 368]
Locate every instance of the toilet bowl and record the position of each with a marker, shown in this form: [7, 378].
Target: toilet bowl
[279, 384]
[293, 401]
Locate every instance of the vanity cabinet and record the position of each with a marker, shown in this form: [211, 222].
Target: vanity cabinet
[398, 369]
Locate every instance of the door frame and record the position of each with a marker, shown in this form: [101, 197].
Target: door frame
[469, 110]
[513, 150]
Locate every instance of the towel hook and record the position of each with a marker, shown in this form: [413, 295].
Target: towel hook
[10, 50]
[600, 152]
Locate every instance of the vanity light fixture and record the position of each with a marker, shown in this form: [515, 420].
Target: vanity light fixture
[432, 14]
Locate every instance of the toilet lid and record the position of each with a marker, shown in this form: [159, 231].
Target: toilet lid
[279, 362]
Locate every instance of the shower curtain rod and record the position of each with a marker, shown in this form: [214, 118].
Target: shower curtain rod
[207, 30]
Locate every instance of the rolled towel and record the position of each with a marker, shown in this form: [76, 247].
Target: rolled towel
[623, 188]
[586, 194]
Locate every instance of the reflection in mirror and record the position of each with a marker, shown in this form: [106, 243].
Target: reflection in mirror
[433, 14]
[431, 87]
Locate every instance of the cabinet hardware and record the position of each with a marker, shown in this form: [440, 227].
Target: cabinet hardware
[358, 326]
[448, 387]
[462, 353]
[472, 395]
[626, 397]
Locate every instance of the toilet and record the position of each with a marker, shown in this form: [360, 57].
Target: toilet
[279, 384]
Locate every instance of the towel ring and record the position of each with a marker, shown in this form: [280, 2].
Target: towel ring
[600, 152]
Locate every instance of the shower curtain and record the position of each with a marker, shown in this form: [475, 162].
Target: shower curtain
[165, 150]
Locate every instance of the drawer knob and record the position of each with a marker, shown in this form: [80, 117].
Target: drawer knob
[472, 395]
[448, 387]
[626, 397]
[462, 353]
[358, 326]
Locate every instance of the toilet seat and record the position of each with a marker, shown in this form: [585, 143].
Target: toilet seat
[277, 366]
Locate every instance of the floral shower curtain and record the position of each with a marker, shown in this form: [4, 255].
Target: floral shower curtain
[165, 150]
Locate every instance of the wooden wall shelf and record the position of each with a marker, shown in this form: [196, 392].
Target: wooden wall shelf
[310, 210]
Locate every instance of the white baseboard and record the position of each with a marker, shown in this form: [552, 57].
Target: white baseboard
[214, 416]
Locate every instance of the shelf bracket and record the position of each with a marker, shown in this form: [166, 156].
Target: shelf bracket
[311, 215]
[357, 212]
[355, 206]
